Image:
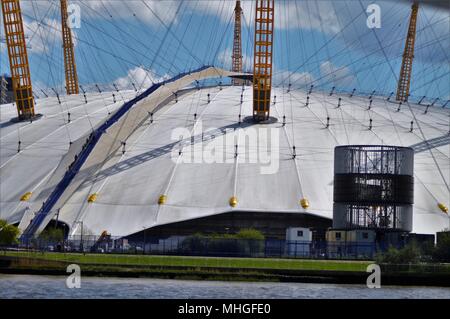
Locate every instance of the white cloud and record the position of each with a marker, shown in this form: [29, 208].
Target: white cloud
[165, 10]
[327, 16]
[2, 44]
[41, 36]
[308, 15]
[339, 76]
[349, 19]
[288, 14]
[297, 79]
[225, 60]
[140, 77]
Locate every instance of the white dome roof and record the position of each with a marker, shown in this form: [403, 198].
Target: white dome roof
[128, 186]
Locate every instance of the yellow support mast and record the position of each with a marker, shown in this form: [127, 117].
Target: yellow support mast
[18, 59]
[237, 43]
[70, 67]
[408, 55]
[262, 63]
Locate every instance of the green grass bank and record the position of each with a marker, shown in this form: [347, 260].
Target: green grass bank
[221, 268]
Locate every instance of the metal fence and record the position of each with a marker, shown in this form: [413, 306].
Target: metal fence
[211, 246]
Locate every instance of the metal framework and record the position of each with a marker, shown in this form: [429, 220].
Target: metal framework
[262, 64]
[70, 67]
[408, 56]
[237, 43]
[373, 187]
[18, 58]
[3, 89]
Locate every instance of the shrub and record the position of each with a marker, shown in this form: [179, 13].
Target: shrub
[246, 242]
[406, 255]
[250, 233]
[442, 251]
[193, 244]
[224, 247]
[52, 235]
[8, 233]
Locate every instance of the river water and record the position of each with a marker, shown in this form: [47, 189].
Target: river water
[24, 286]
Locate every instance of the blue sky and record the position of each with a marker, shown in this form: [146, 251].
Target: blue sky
[324, 43]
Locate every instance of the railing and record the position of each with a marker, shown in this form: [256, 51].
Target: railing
[210, 246]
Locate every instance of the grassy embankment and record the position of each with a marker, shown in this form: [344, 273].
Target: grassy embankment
[181, 261]
[177, 267]
[219, 268]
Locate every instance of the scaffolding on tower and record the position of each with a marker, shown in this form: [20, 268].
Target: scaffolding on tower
[70, 67]
[237, 43]
[262, 63]
[18, 59]
[404, 80]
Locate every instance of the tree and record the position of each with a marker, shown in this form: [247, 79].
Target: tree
[409, 254]
[52, 235]
[442, 250]
[250, 233]
[8, 233]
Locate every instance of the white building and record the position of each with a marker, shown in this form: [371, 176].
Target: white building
[298, 241]
[145, 176]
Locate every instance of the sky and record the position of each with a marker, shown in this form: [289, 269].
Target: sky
[321, 43]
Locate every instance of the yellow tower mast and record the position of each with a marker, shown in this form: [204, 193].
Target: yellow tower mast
[262, 63]
[18, 58]
[408, 55]
[237, 43]
[70, 67]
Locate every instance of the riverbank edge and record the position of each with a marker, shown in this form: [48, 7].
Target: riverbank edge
[28, 266]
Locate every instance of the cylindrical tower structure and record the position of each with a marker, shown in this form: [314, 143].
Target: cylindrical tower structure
[373, 187]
